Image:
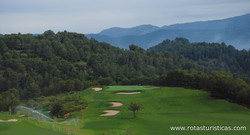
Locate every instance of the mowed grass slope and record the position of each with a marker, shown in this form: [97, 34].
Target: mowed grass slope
[163, 107]
[25, 127]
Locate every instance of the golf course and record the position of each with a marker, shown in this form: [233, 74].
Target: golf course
[163, 107]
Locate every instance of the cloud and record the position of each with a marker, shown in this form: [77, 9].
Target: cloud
[89, 16]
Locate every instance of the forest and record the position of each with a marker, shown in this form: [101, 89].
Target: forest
[52, 63]
[218, 56]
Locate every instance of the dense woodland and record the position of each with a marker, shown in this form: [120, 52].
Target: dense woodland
[48, 64]
[215, 55]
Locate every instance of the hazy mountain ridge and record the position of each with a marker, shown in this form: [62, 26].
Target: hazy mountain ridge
[138, 30]
[234, 31]
[237, 21]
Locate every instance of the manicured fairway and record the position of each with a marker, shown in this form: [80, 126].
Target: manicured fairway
[163, 107]
[25, 127]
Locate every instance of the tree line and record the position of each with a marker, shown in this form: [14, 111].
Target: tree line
[218, 56]
[51, 63]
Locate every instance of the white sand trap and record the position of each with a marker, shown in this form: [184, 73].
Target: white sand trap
[97, 89]
[116, 104]
[10, 120]
[127, 93]
[110, 112]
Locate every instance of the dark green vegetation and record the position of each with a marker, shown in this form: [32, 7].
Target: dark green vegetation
[54, 63]
[58, 105]
[9, 99]
[218, 83]
[48, 64]
[135, 107]
[234, 31]
[215, 55]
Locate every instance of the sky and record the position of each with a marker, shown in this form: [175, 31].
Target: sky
[93, 16]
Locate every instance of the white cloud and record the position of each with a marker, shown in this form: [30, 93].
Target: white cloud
[89, 16]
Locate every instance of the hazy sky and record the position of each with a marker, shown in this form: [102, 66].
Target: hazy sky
[92, 16]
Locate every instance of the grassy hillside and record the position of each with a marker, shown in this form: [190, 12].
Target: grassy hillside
[163, 107]
[25, 127]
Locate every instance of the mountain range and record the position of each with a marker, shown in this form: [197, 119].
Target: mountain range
[233, 31]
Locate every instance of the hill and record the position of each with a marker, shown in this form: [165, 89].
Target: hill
[48, 64]
[51, 63]
[234, 31]
[218, 56]
[139, 30]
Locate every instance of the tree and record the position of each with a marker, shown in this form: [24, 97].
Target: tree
[56, 109]
[106, 81]
[33, 90]
[135, 107]
[69, 85]
[9, 99]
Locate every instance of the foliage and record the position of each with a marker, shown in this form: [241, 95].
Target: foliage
[8, 100]
[135, 107]
[219, 83]
[56, 109]
[53, 63]
[50, 63]
[217, 56]
[60, 104]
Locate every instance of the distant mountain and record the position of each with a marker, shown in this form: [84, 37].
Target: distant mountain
[234, 31]
[135, 31]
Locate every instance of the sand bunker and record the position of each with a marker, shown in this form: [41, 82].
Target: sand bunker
[116, 104]
[127, 93]
[110, 112]
[13, 120]
[10, 120]
[97, 89]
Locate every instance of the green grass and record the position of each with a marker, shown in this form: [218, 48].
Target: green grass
[163, 108]
[6, 116]
[25, 127]
[126, 88]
